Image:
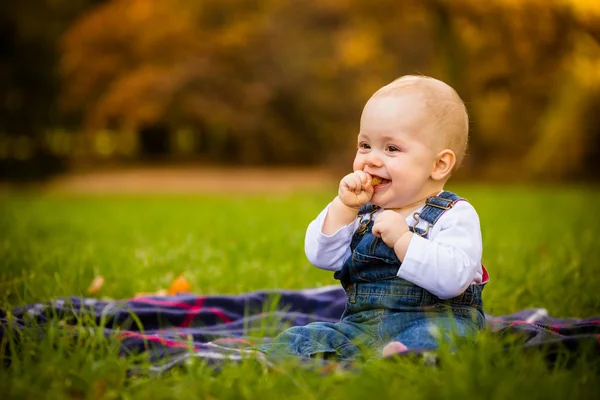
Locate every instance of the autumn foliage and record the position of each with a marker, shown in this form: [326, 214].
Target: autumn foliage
[284, 81]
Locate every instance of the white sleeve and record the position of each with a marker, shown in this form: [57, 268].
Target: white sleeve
[328, 252]
[450, 260]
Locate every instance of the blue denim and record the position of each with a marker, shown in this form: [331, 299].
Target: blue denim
[382, 307]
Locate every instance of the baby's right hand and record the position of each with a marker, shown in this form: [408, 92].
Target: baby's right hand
[355, 189]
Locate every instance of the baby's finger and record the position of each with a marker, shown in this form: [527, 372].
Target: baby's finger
[376, 230]
[369, 189]
[357, 183]
[365, 179]
[349, 182]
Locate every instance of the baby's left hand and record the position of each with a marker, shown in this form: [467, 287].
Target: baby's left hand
[389, 226]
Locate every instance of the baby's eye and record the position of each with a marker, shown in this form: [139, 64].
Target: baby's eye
[364, 146]
[392, 148]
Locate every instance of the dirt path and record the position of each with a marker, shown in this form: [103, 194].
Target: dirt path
[191, 180]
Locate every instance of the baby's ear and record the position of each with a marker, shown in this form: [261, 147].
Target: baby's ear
[445, 161]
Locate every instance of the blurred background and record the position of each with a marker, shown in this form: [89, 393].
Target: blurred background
[90, 85]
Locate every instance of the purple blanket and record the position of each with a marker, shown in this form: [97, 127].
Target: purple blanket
[221, 328]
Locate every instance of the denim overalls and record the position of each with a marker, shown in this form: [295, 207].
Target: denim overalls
[382, 307]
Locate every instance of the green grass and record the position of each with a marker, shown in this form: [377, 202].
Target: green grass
[540, 246]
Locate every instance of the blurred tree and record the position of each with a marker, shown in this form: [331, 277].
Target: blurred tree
[520, 56]
[245, 75]
[29, 83]
[283, 81]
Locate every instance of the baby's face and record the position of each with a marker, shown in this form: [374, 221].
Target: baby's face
[397, 143]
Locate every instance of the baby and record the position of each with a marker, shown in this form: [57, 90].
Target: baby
[407, 253]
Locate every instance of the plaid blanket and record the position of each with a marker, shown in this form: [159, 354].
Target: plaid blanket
[220, 329]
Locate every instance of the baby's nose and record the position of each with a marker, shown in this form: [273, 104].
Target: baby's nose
[373, 159]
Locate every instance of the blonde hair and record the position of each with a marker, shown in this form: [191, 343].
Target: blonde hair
[445, 106]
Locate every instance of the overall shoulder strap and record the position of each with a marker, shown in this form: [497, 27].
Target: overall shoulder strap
[365, 216]
[435, 207]
[367, 209]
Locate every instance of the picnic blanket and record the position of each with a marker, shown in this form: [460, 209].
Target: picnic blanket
[222, 328]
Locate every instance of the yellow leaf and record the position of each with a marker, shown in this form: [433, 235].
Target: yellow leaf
[96, 285]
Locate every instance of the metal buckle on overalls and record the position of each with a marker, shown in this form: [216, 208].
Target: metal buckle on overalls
[416, 217]
[449, 206]
[362, 227]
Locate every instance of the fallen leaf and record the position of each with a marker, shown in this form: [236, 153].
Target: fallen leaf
[179, 285]
[96, 285]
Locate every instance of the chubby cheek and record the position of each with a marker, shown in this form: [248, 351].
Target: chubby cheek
[358, 163]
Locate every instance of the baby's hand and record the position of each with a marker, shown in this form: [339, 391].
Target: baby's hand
[356, 189]
[390, 226]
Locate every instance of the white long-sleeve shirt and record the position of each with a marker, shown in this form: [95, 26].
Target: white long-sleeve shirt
[445, 264]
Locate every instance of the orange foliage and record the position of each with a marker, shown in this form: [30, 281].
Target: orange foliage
[284, 81]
